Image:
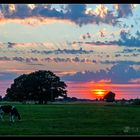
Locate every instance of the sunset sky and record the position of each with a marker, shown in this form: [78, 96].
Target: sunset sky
[90, 46]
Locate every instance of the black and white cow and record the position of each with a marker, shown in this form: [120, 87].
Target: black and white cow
[11, 110]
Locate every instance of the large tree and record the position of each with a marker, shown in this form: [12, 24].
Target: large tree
[39, 86]
[110, 97]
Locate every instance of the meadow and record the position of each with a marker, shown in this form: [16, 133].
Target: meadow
[84, 119]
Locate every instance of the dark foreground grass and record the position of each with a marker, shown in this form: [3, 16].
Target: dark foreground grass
[74, 119]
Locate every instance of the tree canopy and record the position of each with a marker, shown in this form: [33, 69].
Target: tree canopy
[39, 86]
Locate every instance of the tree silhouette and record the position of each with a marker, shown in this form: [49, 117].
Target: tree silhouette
[110, 97]
[39, 86]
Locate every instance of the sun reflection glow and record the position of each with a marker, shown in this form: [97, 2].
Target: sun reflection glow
[99, 92]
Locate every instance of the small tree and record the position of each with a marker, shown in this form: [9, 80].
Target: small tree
[110, 97]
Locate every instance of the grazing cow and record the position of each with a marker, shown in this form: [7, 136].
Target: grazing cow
[11, 110]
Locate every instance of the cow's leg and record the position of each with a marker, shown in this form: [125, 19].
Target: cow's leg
[13, 118]
[1, 116]
[10, 117]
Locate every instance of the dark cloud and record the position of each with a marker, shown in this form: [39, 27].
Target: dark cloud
[74, 12]
[19, 59]
[27, 60]
[125, 39]
[4, 58]
[117, 55]
[120, 62]
[138, 33]
[47, 59]
[75, 60]
[10, 44]
[8, 75]
[125, 10]
[47, 12]
[83, 36]
[128, 50]
[120, 73]
[33, 61]
[86, 36]
[22, 10]
[63, 51]
[123, 73]
[86, 76]
[135, 54]
[37, 64]
[97, 42]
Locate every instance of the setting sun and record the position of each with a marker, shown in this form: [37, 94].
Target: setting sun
[99, 92]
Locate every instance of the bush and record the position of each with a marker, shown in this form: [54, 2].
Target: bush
[136, 102]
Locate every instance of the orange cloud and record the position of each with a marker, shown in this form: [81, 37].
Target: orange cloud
[137, 80]
[62, 73]
[30, 44]
[20, 71]
[31, 6]
[12, 7]
[102, 32]
[100, 11]
[35, 21]
[105, 81]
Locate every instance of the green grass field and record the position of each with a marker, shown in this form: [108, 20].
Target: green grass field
[74, 119]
